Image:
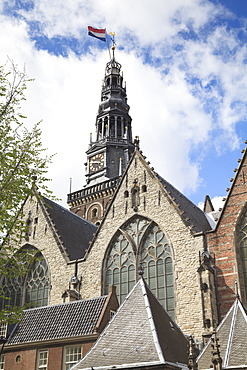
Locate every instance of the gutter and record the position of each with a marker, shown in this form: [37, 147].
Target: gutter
[51, 342]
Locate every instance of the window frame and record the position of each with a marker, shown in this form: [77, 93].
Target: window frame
[3, 330]
[135, 232]
[42, 366]
[71, 362]
[16, 288]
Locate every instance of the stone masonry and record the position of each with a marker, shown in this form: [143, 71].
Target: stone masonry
[155, 204]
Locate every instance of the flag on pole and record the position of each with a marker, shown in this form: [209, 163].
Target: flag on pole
[98, 33]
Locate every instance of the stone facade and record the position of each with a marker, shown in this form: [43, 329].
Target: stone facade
[42, 236]
[154, 204]
[195, 307]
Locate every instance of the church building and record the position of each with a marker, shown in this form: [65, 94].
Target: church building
[129, 224]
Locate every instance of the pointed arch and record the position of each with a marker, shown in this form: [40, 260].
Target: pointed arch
[241, 249]
[140, 246]
[31, 290]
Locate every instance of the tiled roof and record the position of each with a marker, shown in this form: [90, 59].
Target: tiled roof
[232, 334]
[58, 321]
[190, 213]
[141, 332]
[74, 232]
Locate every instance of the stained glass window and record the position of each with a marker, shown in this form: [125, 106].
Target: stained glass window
[31, 290]
[141, 244]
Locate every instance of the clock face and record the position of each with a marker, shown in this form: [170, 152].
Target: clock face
[96, 162]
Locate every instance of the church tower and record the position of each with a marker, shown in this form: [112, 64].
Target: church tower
[109, 154]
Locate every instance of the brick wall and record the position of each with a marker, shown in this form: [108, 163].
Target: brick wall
[26, 359]
[20, 360]
[223, 242]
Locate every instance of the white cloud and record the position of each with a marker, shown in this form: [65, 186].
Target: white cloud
[168, 111]
[149, 21]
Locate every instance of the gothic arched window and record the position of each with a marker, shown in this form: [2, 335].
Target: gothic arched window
[242, 238]
[140, 246]
[31, 290]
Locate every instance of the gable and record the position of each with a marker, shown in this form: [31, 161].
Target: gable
[142, 191]
[231, 334]
[71, 233]
[141, 194]
[237, 192]
[61, 235]
[141, 333]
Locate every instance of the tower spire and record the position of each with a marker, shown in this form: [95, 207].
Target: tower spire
[110, 150]
[113, 127]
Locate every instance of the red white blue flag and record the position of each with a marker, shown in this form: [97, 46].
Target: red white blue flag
[98, 33]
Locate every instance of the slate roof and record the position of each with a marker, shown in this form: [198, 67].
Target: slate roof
[190, 213]
[232, 335]
[59, 321]
[74, 232]
[141, 332]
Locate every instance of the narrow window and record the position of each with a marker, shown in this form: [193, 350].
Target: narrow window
[119, 127]
[144, 188]
[112, 126]
[94, 213]
[243, 249]
[135, 198]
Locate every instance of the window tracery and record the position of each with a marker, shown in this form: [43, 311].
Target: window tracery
[31, 290]
[140, 246]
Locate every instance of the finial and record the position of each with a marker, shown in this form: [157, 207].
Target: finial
[216, 359]
[140, 269]
[113, 43]
[136, 142]
[192, 364]
[34, 182]
[236, 289]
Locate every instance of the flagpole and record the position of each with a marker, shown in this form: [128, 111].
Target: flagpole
[108, 46]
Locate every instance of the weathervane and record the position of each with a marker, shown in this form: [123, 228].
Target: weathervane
[113, 44]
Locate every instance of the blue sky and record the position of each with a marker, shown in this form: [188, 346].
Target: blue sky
[185, 65]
